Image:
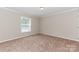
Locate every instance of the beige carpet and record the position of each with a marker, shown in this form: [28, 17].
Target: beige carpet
[39, 43]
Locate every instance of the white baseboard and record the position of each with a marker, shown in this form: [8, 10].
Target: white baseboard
[39, 33]
[60, 37]
[16, 38]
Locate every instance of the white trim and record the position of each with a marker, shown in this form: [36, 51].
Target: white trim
[60, 37]
[69, 10]
[11, 39]
[10, 10]
[17, 12]
[56, 13]
[62, 12]
[18, 37]
[39, 33]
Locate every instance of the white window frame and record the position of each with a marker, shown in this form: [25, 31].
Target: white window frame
[28, 26]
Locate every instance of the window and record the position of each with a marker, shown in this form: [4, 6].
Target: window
[25, 24]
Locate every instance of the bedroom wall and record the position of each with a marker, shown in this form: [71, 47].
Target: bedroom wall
[62, 25]
[10, 25]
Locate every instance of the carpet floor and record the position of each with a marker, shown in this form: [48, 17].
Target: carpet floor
[40, 43]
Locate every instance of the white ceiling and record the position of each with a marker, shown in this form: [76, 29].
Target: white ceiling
[36, 12]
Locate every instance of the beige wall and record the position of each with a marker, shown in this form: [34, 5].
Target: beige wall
[10, 25]
[62, 25]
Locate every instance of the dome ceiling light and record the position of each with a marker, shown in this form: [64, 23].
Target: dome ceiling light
[41, 8]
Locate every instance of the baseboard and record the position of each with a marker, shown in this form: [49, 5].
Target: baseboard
[60, 37]
[19, 37]
[39, 34]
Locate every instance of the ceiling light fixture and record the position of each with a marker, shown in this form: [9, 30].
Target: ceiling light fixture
[42, 8]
